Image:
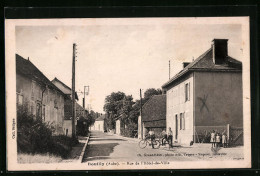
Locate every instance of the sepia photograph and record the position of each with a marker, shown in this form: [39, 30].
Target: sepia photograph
[128, 93]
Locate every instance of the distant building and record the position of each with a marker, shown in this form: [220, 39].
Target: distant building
[67, 127]
[98, 124]
[153, 115]
[205, 95]
[34, 90]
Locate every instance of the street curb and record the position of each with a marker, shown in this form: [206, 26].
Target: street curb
[83, 150]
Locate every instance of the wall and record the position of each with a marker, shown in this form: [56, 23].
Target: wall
[176, 105]
[67, 127]
[139, 128]
[222, 94]
[118, 127]
[53, 101]
[98, 126]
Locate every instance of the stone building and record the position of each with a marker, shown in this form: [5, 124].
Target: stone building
[35, 91]
[205, 95]
[153, 116]
[67, 124]
[98, 124]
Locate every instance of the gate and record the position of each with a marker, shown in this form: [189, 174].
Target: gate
[235, 135]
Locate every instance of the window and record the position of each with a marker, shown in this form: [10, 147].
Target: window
[55, 103]
[32, 89]
[38, 110]
[181, 118]
[19, 99]
[183, 121]
[47, 95]
[187, 92]
[32, 108]
[43, 112]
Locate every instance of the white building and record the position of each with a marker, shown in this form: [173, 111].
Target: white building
[98, 124]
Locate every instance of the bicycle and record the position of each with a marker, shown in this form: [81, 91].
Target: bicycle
[143, 143]
[164, 142]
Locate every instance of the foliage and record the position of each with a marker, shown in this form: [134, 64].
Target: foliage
[38, 158]
[203, 137]
[35, 136]
[130, 131]
[119, 105]
[113, 107]
[150, 92]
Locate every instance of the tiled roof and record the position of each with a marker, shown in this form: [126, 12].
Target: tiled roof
[67, 87]
[101, 118]
[155, 124]
[154, 109]
[205, 63]
[28, 69]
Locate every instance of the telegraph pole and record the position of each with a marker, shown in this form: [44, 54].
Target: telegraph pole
[142, 131]
[169, 69]
[73, 92]
[85, 98]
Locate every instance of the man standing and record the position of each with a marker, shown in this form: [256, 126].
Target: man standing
[164, 137]
[170, 136]
[152, 136]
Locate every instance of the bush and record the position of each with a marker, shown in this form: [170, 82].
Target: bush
[35, 136]
[130, 131]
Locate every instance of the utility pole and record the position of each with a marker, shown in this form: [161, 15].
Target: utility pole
[142, 131]
[169, 69]
[85, 98]
[73, 92]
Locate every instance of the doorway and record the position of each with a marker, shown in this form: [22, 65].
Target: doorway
[176, 127]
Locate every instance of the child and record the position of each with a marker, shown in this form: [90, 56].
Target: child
[218, 140]
[213, 138]
[224, 140]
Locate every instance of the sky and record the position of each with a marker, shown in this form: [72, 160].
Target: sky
[120, 57]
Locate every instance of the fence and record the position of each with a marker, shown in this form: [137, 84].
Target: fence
[234, 134]
[202, 133]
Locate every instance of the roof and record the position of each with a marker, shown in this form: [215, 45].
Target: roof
[65, 86]
[28, 69]
[205, 63]
[101, 118]
[154, 109]
[155, 124]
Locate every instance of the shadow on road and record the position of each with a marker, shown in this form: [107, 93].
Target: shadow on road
[99, 151]
[104, 139]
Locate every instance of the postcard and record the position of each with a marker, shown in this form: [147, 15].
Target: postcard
[128, 93]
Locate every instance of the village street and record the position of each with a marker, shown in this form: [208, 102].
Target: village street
[109, 147]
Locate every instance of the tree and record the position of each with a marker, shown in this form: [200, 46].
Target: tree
[113, 106]
[150, 92]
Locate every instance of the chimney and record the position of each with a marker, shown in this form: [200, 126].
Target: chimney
[220, 51]
[185, 64]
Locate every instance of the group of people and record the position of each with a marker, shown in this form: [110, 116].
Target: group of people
[166, 137]
[216, 139]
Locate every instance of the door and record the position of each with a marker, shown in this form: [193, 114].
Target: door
[56, 118]
[176, 127]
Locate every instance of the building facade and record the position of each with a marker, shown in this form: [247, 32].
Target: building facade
[98, 124]
[205, 95]
[42, 98]
[153, 116]
[80, 112]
